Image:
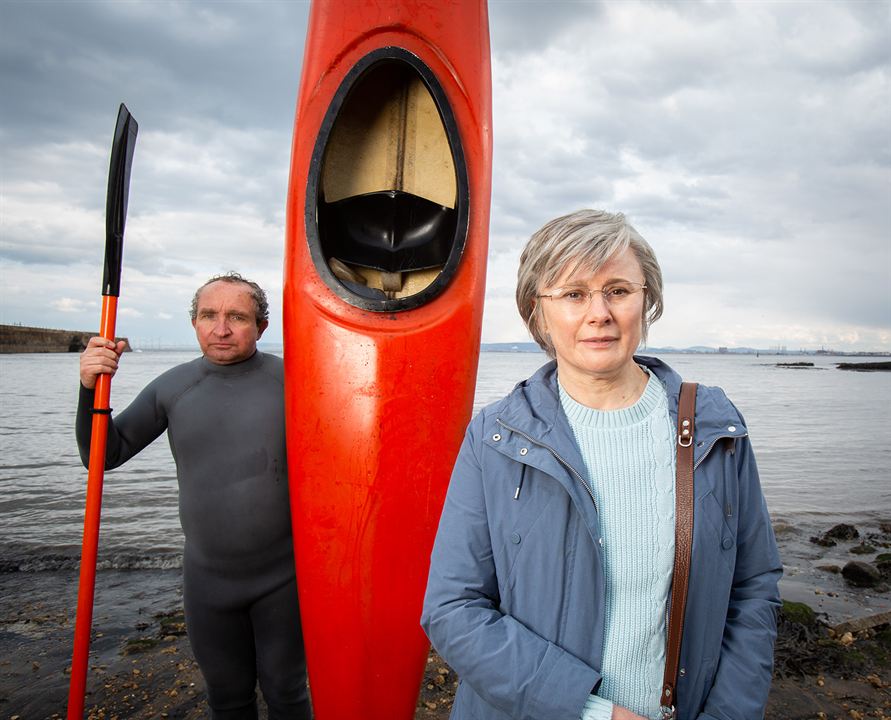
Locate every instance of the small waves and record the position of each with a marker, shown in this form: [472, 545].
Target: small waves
[35, 562]
[13, 469]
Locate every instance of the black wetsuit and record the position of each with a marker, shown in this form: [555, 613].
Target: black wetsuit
[225, 424]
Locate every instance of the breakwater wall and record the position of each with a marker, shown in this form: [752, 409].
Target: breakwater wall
[22, 339]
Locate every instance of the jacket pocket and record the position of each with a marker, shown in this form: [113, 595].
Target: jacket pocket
[693, 690]
[523, 528]
[718, 537]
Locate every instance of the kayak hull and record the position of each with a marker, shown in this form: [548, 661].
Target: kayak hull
[379, 383]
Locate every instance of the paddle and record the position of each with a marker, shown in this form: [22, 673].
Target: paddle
[115, 216]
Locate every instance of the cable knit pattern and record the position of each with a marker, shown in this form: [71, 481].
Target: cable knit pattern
[629, 455]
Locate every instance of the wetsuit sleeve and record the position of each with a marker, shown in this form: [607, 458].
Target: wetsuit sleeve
[505, 663]
[745, 667]
[128, 432]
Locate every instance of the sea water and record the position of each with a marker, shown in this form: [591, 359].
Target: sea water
[821, 437]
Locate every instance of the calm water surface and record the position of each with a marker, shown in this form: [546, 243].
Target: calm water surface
[821, 437]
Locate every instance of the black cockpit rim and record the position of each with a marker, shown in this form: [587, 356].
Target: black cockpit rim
[313, 236]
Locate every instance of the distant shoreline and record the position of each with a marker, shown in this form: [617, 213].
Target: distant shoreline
[15, 339]
[527, 347]
[28, 339]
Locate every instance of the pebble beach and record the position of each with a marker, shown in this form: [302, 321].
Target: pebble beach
[834, 664]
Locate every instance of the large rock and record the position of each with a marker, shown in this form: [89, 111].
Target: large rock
[842, 531]
[861, 574]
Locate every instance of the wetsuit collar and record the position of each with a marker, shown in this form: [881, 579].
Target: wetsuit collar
[253, 362]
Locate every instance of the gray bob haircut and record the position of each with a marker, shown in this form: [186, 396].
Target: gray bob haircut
[584, 239]
[261, 304]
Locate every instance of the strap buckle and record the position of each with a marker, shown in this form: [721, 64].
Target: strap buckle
[667, 712]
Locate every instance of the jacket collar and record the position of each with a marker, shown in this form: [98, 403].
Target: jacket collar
[533, 407]
[533, 430]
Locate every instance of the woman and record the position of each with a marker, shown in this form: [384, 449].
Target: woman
[552, 567]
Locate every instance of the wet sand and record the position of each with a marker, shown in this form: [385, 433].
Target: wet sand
[141, 664]
[140, 661]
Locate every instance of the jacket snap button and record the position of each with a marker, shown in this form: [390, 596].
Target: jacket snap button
[515, 538]
[732, 428]
[727, 543]
[523, 451]
[496, 437]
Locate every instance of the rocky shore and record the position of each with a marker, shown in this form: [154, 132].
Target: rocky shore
[142, 667]
[860, 573]
[819, 673]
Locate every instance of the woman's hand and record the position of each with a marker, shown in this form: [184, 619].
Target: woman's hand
[620, 713]
[100, 357]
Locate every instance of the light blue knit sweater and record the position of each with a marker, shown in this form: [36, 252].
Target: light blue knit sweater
[629, 455]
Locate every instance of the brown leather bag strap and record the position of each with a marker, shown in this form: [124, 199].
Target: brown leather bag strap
[683, 545]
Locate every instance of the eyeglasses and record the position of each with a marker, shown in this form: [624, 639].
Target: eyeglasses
[578, 299]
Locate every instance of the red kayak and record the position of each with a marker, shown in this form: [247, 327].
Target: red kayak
[387, 231]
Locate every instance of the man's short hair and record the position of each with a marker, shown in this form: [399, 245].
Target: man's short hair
[261, 304]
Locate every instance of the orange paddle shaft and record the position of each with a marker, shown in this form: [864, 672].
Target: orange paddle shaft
[90, 547]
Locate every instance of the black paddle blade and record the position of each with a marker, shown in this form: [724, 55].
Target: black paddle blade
[116, 204]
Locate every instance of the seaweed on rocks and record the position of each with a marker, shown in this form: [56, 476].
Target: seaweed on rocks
[798, 631]
[806, 646]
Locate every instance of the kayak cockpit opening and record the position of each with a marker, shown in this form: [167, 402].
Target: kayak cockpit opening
[387, 194]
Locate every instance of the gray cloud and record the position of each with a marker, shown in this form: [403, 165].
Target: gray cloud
[523, 26]
[747, 141]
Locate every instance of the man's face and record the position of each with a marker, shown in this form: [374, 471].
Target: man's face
[226, 323]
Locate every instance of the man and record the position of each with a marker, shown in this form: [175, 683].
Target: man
[224, 417]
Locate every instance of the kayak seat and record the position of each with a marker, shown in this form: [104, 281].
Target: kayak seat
[390, 230]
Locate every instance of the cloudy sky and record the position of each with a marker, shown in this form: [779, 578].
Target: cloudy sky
[749, 142]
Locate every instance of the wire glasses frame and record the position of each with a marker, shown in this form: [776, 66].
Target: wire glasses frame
[578, 299]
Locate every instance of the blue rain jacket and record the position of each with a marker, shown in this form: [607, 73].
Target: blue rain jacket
[515, 596]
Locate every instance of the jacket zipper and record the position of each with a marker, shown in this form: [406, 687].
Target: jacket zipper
[712, 446]
[556, 455]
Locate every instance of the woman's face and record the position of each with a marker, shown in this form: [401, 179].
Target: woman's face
[597, 341]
